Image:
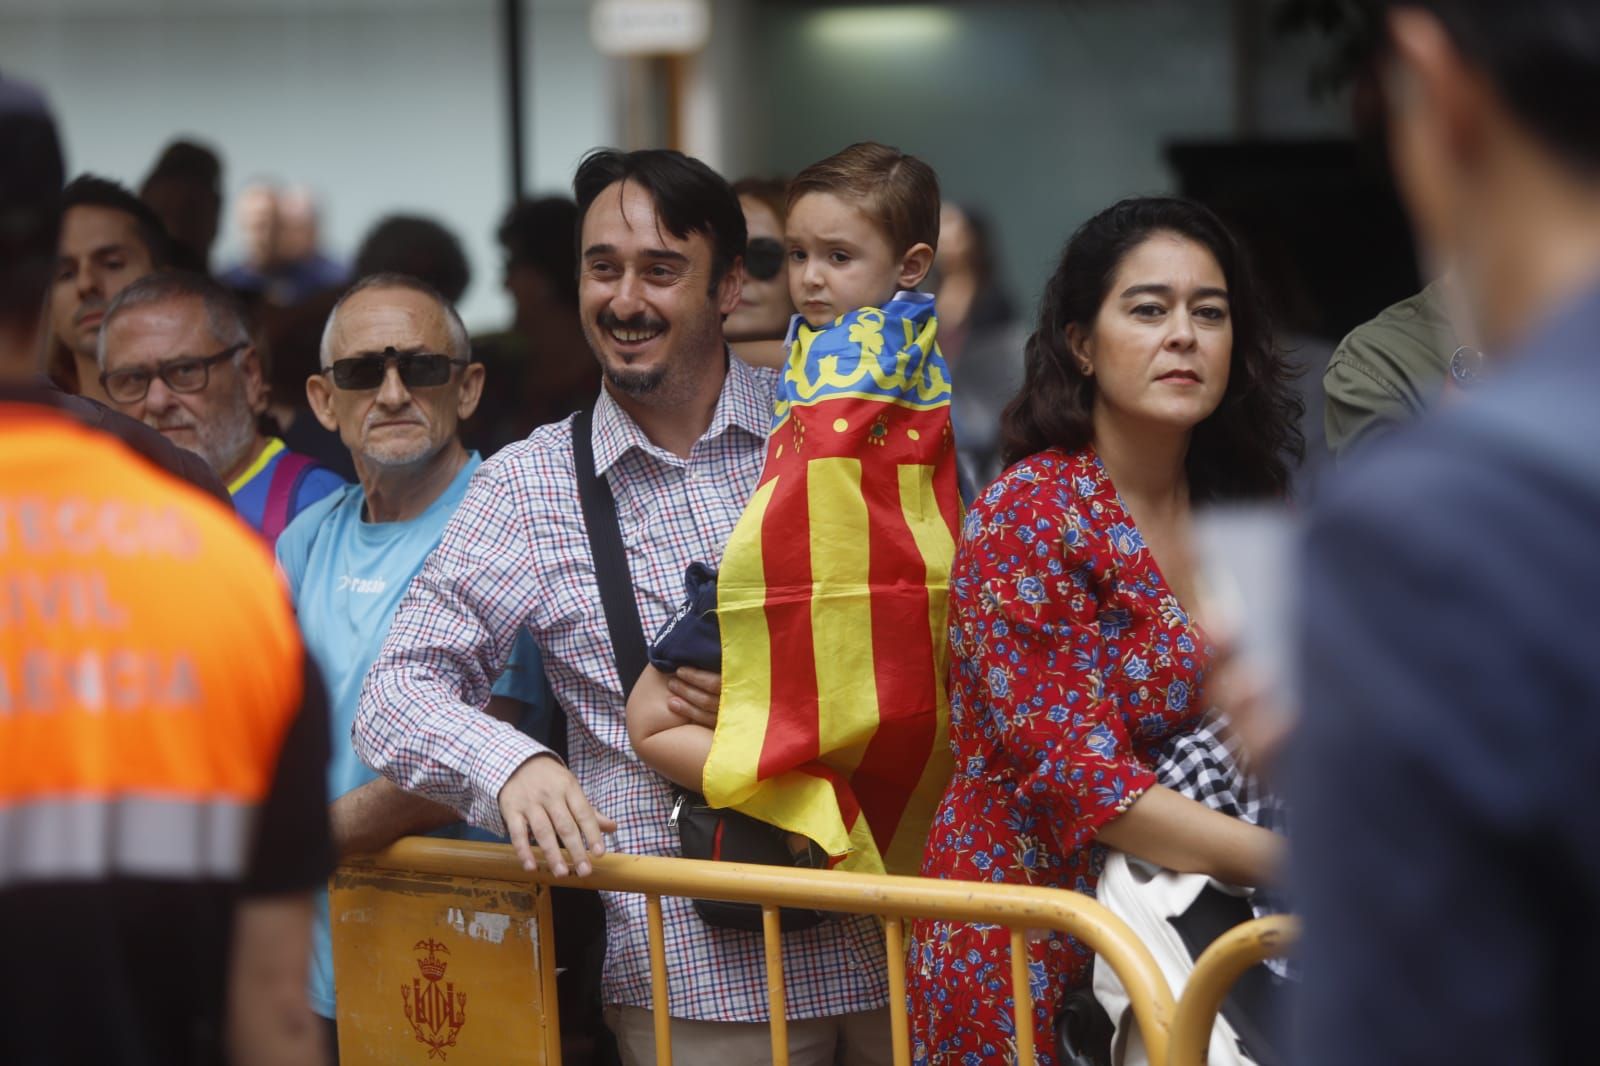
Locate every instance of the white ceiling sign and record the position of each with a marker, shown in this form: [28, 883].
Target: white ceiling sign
[650, 27]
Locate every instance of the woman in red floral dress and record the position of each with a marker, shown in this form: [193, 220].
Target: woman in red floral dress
[1151, 385]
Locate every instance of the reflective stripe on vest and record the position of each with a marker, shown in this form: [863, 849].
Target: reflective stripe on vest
[132, 836]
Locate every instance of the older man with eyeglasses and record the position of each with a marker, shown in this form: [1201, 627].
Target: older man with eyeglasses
[174, 352]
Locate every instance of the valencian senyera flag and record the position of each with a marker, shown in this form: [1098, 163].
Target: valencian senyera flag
[832, 596]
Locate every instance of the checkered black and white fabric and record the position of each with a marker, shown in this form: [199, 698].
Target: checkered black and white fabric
[1206, 764]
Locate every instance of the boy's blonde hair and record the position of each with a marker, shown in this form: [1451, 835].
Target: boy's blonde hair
[899, 191]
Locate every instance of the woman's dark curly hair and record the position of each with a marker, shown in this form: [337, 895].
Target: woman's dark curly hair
[1245, 447]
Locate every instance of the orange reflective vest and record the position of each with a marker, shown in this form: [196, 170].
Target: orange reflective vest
[150, 665]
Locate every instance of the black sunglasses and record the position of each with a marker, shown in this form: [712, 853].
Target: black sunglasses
[417, 369]
[130, 385]
[763, 258]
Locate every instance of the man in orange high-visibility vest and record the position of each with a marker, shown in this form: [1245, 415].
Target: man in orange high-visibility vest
[163, 737]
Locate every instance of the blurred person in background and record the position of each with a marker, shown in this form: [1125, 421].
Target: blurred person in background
[541, 369]
[109, 239]
[184, 189]
[300, 242]
[255, 214]
[978, 335]
[756, 327]
[418, 247]
[175, 353]
[164, 735]
[283, 264]
[1391, 369]
[286, 342]
[1446, 805]
[349, 558]
[1152, 387]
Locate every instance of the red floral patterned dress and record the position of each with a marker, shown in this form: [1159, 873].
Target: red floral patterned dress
[1071, 663]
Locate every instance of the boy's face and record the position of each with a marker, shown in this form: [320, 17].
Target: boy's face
[839, 259]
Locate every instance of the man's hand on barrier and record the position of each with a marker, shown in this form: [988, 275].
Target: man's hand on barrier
[542, 803]
[696, 694]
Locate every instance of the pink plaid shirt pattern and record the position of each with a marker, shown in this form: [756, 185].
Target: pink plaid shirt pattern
[515, 554]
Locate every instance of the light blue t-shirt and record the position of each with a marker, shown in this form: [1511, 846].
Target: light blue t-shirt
[347, 577]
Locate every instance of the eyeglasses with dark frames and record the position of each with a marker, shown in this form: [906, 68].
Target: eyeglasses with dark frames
[417, 369]
[192, 374]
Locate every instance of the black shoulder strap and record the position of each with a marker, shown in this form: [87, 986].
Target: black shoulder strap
[610, 557]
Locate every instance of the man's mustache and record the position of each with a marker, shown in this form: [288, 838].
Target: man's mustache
[640, 322]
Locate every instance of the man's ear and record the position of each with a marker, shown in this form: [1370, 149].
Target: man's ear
[915, 264]
[319, 394]
[1457, 98]
[472, 377]
[731, 285]
[255, 383]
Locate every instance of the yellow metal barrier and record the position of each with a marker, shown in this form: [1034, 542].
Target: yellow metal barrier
[1215, 971]
[423, 873]
[436, 967]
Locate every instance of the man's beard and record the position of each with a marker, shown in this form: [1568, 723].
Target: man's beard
[636, 383]
[418, 455]
[625, 379]
[223, 441]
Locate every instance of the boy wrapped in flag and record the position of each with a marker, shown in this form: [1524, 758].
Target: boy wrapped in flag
[832, 592]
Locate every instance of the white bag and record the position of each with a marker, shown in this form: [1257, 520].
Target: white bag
[1145, 896]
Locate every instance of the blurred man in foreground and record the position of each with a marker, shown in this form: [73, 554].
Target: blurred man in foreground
[1448, 807]
[162, 734]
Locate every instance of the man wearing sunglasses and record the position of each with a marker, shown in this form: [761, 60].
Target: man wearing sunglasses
[175, 353]
[396, 381]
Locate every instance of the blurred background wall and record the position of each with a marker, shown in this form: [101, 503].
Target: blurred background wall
[377, 105]
[1042, 113]
[1039, 111]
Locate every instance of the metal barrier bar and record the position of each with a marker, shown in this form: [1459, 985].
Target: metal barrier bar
[894, 940]
[1215, 971]
[777, 1013]
[660, 996]
[1022, 996]
[546, 917]
[1018, 907]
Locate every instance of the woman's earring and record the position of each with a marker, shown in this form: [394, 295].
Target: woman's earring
[1087, 368]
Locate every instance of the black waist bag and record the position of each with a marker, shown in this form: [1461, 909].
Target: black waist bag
[703, 832]
[722, 834]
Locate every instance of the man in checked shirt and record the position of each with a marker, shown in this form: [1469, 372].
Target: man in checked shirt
[679, 434]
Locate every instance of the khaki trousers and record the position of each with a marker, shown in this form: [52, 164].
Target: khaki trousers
[846, 1039]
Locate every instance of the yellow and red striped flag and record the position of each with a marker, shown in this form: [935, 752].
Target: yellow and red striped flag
[832, 596]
